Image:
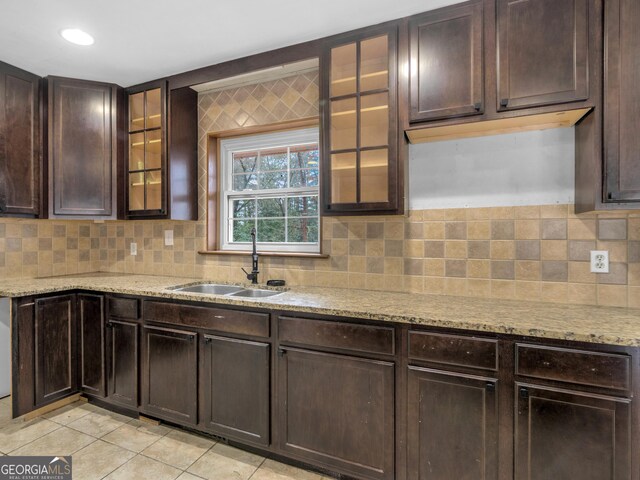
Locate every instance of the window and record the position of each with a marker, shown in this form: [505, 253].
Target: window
[270, 183]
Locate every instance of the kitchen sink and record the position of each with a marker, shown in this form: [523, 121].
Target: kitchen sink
[210, 288]
[255, 293]
[231, 290]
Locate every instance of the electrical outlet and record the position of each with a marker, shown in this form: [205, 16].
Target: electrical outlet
[134, 248]
[168, 238]
[599, 261]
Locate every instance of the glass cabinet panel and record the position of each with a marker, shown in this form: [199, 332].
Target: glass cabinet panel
[343, 70]
[343, 178]
[146, 152]
[374, 175]
[374, 64]
[361, 125]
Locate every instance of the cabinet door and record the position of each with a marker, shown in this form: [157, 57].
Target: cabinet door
[82, 153]
[452, 426]
[122, 362]
[360, 129]
[447, 63]
[55, 342]
[19, 142]
[235, 388]
[338, 411]
[92, 344]
[563, 435]
[169, 376]
[622, 101]
[542, 52]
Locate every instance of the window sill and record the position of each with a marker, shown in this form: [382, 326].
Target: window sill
[264, 254]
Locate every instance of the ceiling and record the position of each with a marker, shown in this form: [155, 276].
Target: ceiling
[140, 40]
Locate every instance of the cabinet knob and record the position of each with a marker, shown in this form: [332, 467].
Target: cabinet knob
[207, 340]
[504, 102]
[281, 352]
[477, 106]
[490, 387]
[524, 392]
[109, 325]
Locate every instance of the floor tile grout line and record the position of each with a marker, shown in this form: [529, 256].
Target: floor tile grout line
[257, 468]
[29, 443]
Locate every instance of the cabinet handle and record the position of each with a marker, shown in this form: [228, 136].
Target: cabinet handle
[490, 387]
[524, 392]
[207, 340]
[109, 325]
[281, 352]
[477, 106]
[504, 102]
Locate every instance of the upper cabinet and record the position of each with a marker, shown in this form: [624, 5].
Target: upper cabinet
[361, 159]
[20, 142]
[447, 74]
[542, 52]
[160, 169]
[82, 148]
[622, 102]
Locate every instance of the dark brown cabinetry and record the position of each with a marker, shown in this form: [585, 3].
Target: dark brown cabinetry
[447, 74]
[337, 411]
[621, 101]
[82, 148]
[566, 435]
[92, 344]
[56, 373]
[361, 149]
[20, 142]
[123, 353]
[170, 374]
[453, 426]
[543, 52]
[161, 165]
[235, 388]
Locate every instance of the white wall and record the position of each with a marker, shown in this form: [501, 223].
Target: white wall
[529, 168]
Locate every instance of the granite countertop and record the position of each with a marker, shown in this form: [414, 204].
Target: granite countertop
[606, 325]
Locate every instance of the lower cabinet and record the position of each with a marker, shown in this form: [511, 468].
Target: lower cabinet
[235, 388]
[567, 435]
[338, 411]
[123, 364]
[92, 344]
[170, 374]
[452, 426]
[56, 373]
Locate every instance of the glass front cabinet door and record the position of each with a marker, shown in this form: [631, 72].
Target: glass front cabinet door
[360, 126]
[146, 165]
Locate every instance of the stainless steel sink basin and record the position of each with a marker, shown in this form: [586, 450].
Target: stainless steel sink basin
[255, 293]
[210, 288]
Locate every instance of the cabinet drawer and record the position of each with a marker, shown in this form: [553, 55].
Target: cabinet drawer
[123, 307]
[581, 367]
[347, 336]
[454, 350]
[218, 319]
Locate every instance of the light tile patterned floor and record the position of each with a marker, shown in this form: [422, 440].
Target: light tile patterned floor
[114, 447]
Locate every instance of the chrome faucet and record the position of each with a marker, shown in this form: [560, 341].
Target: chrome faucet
[253, 275]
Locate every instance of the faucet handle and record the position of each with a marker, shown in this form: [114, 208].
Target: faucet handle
[246, 273]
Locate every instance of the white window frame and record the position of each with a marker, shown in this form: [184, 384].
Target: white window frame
[228, 146]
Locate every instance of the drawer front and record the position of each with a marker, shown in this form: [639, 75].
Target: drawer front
[581, 367]
[124, 307]
[454, 350]
[218, 319]
[346, 336]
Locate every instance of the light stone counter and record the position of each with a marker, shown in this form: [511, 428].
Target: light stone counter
[606, 325]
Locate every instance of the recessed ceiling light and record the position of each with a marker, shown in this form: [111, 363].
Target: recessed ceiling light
[77, 36]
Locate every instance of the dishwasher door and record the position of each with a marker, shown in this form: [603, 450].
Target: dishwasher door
[5, 348]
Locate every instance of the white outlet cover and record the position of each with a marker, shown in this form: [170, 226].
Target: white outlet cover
[599, 261]
[134, 248]
[168, 238]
